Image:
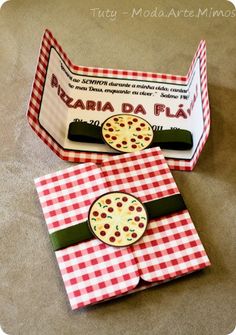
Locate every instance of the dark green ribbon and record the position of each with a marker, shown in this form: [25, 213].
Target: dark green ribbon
[84, 132]
[72, 235]
[175, 139]
[80, 232]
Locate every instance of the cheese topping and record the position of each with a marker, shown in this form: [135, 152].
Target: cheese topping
[127, 133]
[118, 219]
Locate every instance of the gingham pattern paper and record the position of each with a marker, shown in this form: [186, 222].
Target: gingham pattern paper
[49, 41]
[93, 271]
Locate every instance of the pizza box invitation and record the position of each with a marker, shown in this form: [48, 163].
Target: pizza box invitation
[63, 92]
[118, 227]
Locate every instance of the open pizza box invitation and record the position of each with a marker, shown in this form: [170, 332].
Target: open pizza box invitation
[123, 251]
[63, 92]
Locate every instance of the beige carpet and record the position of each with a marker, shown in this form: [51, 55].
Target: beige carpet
[32, 296]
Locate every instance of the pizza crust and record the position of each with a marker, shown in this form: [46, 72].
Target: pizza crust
[118, 219]
[127, 133]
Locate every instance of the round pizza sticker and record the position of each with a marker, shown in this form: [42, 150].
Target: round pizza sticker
[127, 133]
[118, 219]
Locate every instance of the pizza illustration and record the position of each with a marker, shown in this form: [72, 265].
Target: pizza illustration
[118, 219]
[127, 133]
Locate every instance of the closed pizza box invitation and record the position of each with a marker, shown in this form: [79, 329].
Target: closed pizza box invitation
[93, 271]
[63, 92]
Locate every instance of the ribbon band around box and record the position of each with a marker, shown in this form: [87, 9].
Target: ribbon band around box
[117, 219]
[128, 133]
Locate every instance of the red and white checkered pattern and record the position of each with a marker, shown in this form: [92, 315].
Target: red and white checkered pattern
[93, 271]
[75, 156]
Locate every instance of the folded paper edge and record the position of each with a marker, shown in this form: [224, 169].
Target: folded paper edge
[70, 155]
[136, 288]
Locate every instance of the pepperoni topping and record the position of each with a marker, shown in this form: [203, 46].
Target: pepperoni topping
[129, 133]
[114, 219]
[107, 136]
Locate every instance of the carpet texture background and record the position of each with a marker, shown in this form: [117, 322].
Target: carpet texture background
[32, 297]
